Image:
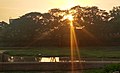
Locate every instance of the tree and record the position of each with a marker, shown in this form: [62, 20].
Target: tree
[40, 28]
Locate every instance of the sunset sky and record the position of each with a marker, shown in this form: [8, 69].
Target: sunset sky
[16, 8]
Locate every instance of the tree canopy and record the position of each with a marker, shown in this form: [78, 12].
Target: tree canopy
[51, 29]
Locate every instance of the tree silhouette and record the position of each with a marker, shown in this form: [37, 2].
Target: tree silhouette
[37, 29]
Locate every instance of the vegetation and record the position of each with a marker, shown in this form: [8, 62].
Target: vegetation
[51, 29]
[107, 69]
[91, 52]
[111, 68]
[93, 71]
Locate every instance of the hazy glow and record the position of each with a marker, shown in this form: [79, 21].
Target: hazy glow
[16, 8]
[69, 17]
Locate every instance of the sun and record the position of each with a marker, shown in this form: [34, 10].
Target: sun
[69, 17]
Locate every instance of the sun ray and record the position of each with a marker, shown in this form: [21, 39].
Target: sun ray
[73, 42]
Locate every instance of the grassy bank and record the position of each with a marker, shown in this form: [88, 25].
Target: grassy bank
[99, 52]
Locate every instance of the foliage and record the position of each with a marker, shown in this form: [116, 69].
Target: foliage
[51, 29]
[93, 71]
[111, 68]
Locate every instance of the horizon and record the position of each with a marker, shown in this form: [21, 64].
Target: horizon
[16, 8]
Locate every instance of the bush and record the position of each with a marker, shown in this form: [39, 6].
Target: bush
[111, 68]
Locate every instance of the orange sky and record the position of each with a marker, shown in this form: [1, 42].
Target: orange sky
[16, 8]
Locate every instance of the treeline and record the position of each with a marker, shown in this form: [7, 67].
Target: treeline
[93, 26]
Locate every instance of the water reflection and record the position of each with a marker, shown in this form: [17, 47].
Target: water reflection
[39, 59]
